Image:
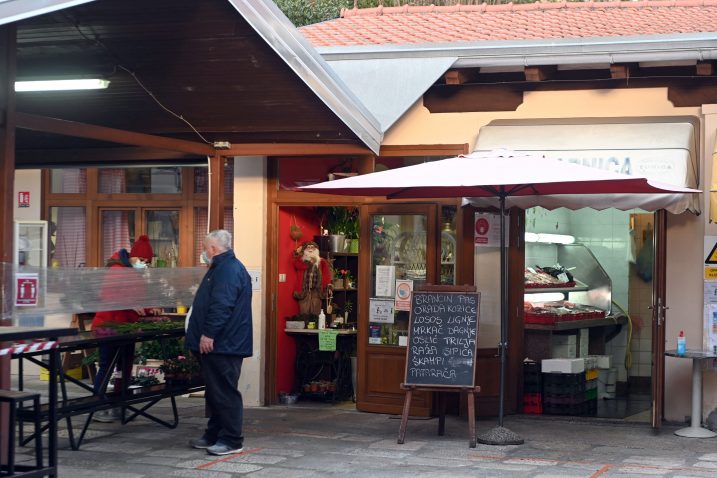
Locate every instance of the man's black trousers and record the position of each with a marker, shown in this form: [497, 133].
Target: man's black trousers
[226, 408]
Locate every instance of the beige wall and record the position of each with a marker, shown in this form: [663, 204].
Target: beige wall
[709, 137]
[685, 232]
[28, 180]
[250, 225]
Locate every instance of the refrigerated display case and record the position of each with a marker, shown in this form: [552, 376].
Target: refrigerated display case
[569, 304]
[30, 243]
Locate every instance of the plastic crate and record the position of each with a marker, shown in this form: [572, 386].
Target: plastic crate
[585, 408]
[532, 378]
[533, 403]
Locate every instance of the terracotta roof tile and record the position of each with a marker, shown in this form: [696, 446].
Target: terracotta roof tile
[542, 20]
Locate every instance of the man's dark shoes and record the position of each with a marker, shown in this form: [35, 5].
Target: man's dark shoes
[221, 448]
[201, 443]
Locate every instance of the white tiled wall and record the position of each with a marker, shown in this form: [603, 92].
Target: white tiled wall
[606, 234]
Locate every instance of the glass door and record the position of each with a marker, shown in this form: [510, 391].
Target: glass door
[401, 240]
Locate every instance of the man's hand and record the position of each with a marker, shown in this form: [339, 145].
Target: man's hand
[206, 345]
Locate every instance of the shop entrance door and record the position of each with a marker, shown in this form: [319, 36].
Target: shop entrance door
[659, 308]
[402, 240]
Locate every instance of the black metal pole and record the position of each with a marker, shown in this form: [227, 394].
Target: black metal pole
[503, 307]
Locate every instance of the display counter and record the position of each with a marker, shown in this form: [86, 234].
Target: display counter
[571, 301]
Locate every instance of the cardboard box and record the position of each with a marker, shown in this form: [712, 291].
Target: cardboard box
[563, 340]
[583, 342]
[563, 351]
[562, 365]
[75, 373]
[602, 361]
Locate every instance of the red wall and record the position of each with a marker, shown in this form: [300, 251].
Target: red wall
[308, 221]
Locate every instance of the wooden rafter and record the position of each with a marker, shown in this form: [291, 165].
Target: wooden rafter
[704, 68]
[539, 73]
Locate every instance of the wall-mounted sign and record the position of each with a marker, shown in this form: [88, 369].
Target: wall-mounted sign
[381, 311]
[487, 230]
[26, 289]
[403, 294]
[23, 199]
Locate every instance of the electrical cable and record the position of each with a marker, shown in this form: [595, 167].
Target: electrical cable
[96, 40]
[156, 100]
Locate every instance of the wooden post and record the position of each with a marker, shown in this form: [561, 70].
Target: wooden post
[216, 192]
[7, 183]
[470, 393]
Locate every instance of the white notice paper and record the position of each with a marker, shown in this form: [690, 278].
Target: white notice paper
[381, 311]
[385, 281]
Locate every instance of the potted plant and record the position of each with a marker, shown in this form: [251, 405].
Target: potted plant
[180, 369]
[342, 223]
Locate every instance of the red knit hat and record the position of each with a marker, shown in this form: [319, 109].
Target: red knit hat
[142, 249]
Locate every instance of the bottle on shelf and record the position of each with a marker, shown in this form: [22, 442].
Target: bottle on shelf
[681, 344]
[322, 319]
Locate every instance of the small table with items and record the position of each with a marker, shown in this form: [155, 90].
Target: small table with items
[49, 347]
[695, 430]
[333, 368]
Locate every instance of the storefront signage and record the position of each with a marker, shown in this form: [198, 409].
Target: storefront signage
[487, 230]
[403, 294]
[381, 311]
[442, 338]
[23, 199]
[26, 289]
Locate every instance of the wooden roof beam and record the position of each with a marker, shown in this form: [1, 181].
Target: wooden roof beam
[540, 73]
[704, 68]
[102, 133]
[621, 71]
[456, 77]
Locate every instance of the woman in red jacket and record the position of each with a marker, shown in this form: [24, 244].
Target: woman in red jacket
[138, 257]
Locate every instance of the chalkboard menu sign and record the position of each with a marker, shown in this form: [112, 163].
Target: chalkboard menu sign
[442, 338]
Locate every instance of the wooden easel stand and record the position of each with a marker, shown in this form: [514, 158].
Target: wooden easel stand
[469, 391]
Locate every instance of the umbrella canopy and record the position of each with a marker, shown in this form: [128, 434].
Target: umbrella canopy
[503, 174]
[514, 175]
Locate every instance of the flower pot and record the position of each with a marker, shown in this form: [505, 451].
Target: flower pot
[336, 243]
[354, 246]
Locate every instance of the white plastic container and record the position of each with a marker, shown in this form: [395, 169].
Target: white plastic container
[322, 319]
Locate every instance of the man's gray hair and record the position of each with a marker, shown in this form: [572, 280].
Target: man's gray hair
[221, 238]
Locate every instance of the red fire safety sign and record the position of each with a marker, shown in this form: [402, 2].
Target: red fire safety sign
[26, 286]
[23, 199]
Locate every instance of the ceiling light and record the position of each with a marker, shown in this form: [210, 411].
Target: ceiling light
[60, 85]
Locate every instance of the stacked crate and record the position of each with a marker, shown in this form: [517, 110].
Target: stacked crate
[532, 388]
[570, 393]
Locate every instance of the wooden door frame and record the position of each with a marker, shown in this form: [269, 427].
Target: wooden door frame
[659, 307]
[488, 397]
[423, 403]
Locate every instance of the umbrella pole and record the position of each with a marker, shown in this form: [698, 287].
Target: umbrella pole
[500, 435]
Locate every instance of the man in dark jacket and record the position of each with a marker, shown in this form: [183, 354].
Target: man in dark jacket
[220, 334]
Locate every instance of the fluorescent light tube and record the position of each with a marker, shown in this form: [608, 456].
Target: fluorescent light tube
[549, 238]
[60, 85]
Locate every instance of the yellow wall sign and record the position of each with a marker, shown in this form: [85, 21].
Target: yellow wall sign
[710, 273]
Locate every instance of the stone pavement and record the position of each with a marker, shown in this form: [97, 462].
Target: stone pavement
[317, 440]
